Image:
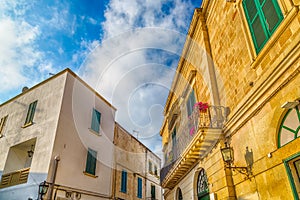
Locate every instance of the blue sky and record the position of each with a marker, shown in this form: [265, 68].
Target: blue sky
[126, 49]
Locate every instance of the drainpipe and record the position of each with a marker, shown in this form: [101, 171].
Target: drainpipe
[52, 178]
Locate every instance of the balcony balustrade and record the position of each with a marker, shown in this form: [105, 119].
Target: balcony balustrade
[14, 178]
[191, 131]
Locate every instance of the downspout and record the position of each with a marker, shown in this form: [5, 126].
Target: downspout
[53, 177]
[215, 93]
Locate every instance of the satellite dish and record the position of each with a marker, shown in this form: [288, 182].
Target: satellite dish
[24, 89]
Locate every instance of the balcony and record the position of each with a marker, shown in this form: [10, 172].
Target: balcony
[14, 178]
[195, 137]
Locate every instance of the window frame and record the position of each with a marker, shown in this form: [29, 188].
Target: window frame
[153, 195]
[139, 187]
[30, 113]
[91, 162]
[95, 121]
[282, 126]
[123, 181]
[190, 100]
[263, 21]
[2, 125]
[150, 167]
[287, 163]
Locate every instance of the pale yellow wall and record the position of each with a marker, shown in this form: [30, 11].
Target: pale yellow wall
[49, 96]
[73, 138]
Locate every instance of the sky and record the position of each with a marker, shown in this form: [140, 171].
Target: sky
[128, 50]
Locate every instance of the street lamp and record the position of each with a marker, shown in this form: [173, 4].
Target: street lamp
[228, 157]
[43, 188]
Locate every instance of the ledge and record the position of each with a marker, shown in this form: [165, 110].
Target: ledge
[94, 132]
[90, 175]
[26, 125]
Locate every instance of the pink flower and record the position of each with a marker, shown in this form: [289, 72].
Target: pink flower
[192, 130]
[201, 106]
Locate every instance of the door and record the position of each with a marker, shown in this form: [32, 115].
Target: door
[202, 186]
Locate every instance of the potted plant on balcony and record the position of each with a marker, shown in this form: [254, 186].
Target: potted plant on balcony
[201, 106]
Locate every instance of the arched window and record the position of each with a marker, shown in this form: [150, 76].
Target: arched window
[202, 186]
[289, 127]
[179, 194]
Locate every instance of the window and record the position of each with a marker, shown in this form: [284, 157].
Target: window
[263, 18]
[30, 113]
[174, 144]
[190, 103]
[124, 181]
[153, 192]
[150, 167]
[179, 194]
[202, 185]
[2, 124]
[96, 115]
[91, 162]
[292, 166]
[139, 188]
[289, 127]
[155, 170]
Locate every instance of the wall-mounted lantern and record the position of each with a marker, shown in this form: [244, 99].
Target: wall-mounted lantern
[43, 188]
[228, 157]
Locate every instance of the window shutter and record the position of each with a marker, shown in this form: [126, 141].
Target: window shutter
[2, 124]
[139, 187]
[96, 115]
[30, 113]
[91, 162]
[124, 182]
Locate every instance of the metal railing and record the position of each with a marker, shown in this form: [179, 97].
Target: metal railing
[213, 117]
[14, 178]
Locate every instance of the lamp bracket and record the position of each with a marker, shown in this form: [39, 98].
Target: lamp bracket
[242, 170]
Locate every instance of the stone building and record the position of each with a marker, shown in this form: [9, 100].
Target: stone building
[236, 89]
[51, 133]
[136, 170]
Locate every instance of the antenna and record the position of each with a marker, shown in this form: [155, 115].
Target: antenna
[137, 133]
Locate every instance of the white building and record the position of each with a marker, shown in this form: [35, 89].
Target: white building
[59, 131]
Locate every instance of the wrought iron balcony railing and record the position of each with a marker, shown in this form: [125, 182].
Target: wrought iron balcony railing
[14, 178]
[211, 118]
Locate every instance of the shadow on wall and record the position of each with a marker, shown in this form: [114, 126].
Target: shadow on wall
[23, 191]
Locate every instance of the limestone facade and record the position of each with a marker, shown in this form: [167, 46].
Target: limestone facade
[245, 88]
[134, 161]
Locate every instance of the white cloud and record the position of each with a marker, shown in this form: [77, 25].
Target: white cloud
[130, 68]
[16, 51]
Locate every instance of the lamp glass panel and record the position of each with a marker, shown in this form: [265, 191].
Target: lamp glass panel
[227, 154]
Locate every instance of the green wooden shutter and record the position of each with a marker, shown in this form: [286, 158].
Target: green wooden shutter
[153, 192]
[91, 162]
[263, 18]
[30, 113]
[96, 115]
[139, 193]
[124, 182]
